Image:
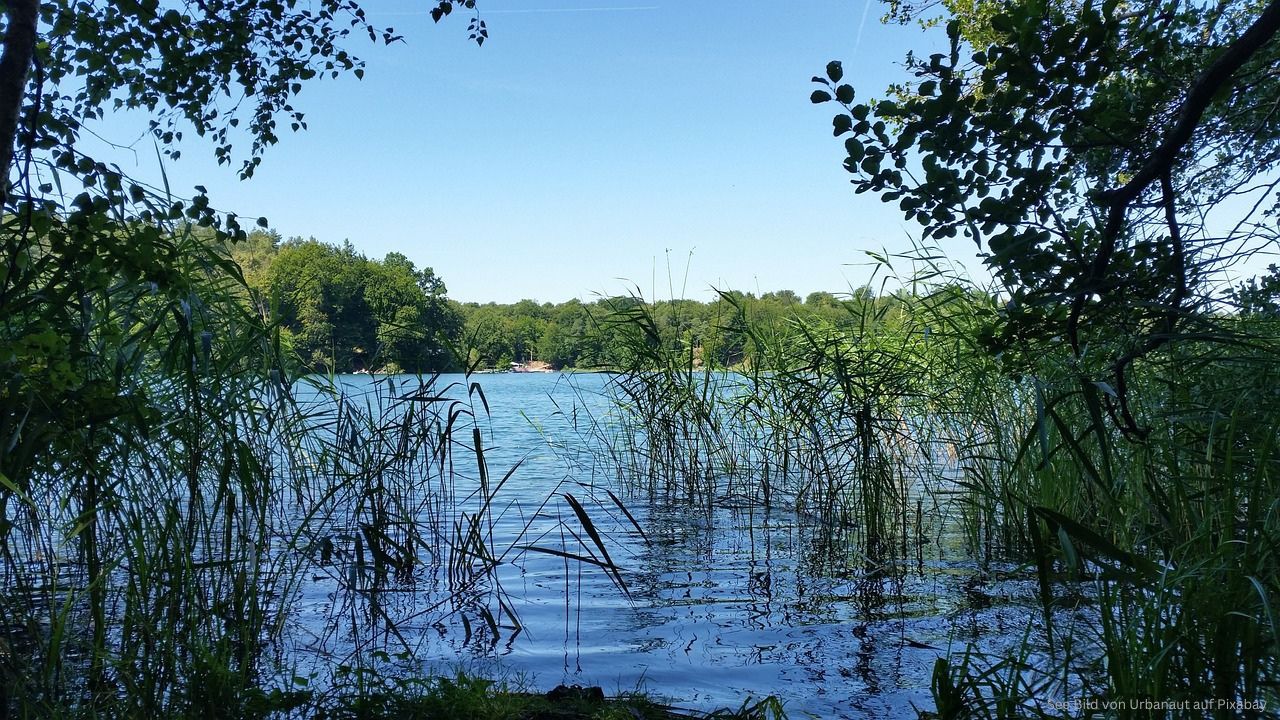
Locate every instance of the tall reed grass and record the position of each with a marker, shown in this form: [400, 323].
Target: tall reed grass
[838, 421]
[1155, 556]
[168, 488]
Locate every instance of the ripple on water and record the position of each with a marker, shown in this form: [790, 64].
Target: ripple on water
[721, 604]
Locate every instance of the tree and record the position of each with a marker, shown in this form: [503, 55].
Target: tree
[416, 325]
[782, 297]
[567, 339]
[1081, 145]
[132, 372]
[344, 312]
[227, 70]
[215, 67]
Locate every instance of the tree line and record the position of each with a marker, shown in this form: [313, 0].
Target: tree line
[338, 310]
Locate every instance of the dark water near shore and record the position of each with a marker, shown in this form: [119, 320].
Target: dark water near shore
[722, 603]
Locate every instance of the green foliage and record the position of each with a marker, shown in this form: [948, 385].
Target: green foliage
[1124, 437]
[228, 71]
[597, 335]
[829, 412]
[1259, 296]
[341, 312]
[119, 387]
[1083, 165]
[144, 401]
[254, 255]
[1155, 560]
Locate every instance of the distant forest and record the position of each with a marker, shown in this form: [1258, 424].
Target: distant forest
[343, 312]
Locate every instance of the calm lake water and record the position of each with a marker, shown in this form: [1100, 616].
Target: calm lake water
[722, 604]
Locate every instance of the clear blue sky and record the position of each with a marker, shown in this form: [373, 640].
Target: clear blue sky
[583, 145]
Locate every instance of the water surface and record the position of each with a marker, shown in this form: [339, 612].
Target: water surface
[718, 604]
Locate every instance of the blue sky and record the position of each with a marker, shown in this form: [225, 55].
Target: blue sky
[585, 144]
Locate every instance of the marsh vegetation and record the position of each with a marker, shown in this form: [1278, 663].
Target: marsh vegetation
[1049, 494]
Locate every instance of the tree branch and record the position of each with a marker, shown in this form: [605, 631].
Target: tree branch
[1206, 87]
[19, 48]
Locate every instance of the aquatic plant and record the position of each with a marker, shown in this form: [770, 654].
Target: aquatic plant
[169, 487]
[1154, 559]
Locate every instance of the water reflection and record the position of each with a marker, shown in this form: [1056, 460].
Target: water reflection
[722, 602]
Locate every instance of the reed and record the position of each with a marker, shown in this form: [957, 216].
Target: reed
[835, 421]
[1154, 557]
[168, 486]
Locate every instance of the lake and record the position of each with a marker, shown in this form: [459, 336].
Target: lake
[706, 606]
